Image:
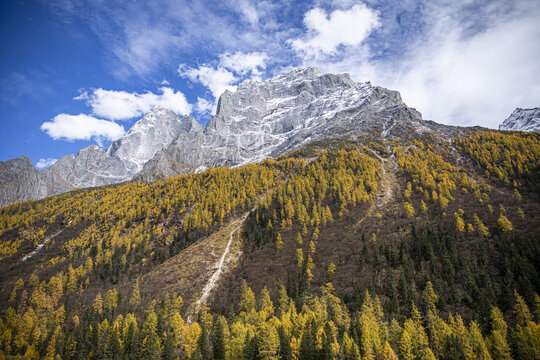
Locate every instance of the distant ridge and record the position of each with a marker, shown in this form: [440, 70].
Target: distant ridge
[523, 120]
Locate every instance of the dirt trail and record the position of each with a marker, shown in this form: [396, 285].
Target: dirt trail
[387, 185]
[40, 246]
[213, 280]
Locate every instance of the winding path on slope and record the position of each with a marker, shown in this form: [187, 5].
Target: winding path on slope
[40, 246]
[387, 184]
[211, 284]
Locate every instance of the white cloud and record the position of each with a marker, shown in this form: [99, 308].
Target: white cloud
[229, 71]
[460, 67]
[217, 80]
[242, 63]
[458, 62]
[144, 49]
[204, 106]
[122, 105]
[342, 27]
[247, 10]
[43, 163]
[476, 79]
[82, 127]
[142, 38]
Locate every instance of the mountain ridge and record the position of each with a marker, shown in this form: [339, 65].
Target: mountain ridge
[260, 119]
[522, 120]
[93, 166]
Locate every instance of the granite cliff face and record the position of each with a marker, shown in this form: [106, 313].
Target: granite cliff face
[258, 120]
[155, 131]
[20, 181]
[523, 120]
[267, 119]
[92, 166]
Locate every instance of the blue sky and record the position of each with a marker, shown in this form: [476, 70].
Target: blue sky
[75, 73]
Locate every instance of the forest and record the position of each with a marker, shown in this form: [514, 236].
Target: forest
[350, 249]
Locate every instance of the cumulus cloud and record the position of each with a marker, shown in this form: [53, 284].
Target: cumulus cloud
[122, 105]
[325, 33]
[216, 79]
[203, 106]
[82, 127]
[224, 74]
[455, 65]
[43, 163]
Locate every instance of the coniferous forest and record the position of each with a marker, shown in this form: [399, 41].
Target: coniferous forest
[342, 249]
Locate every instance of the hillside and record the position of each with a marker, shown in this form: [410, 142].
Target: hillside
[371, 247]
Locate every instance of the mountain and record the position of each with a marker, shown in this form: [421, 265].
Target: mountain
[258, 120]
[522, 120]
[364, 247]
[342, 226]
[20, 181]
[155, 131]
[267, 119]
[93, 166]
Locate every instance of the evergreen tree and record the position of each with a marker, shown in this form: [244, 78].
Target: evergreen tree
[388, 352]
[220, 338]
[204, 346]
[285, 350]
[136, 294]
[247, 300]
[265, 304]
[168, 347]
[151, 343]
[267, 342]
[499, 348]
[405, 346]
[453, 349]
[521, 310]
[307, 346]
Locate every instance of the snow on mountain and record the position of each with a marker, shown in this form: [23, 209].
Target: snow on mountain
[260, 119]
[93, 166]
[267, 119]
[523, 120]
[155, 131]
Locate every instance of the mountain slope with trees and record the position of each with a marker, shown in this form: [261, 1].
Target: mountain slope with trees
[420, 248]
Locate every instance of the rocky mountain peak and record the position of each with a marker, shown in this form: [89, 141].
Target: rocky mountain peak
[260, 119]
[308, 73]
[19, 181]
[155, 131]
[260, 105]
[268, 118]
[523, 120]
